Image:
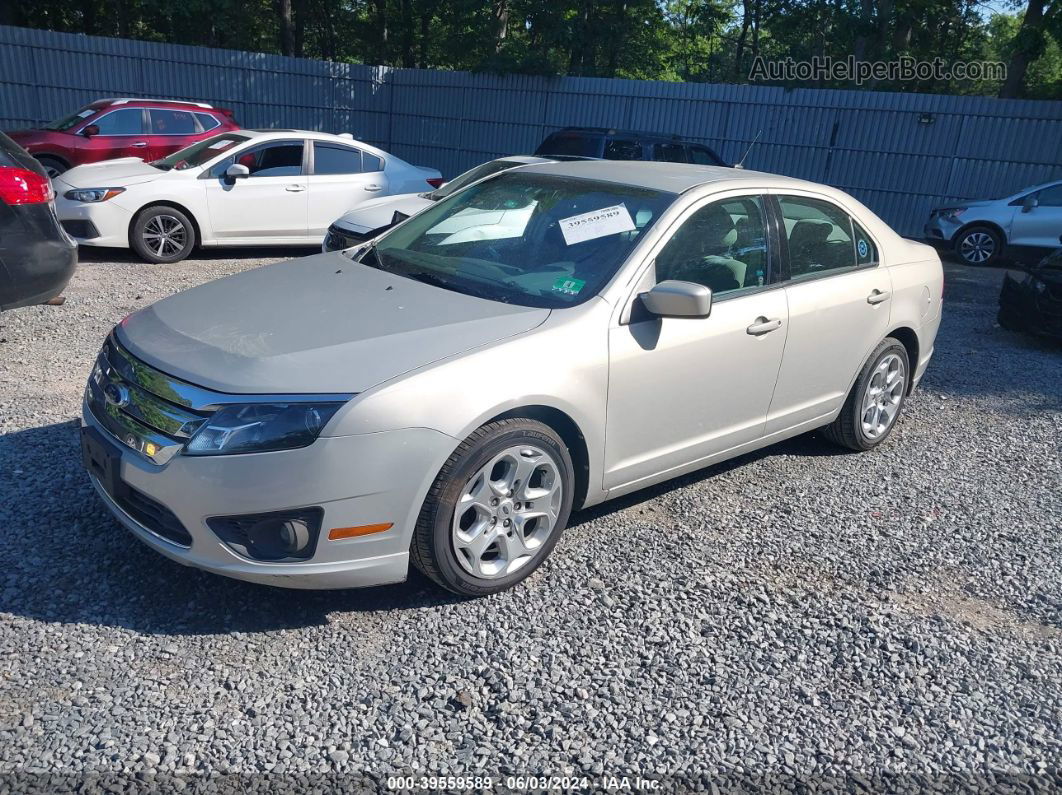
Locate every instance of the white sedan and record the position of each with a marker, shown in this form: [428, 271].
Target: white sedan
[242, 188]
[376, 216]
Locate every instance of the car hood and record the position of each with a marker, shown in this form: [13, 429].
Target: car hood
[321, 324]
[371, 215]
[111, 174]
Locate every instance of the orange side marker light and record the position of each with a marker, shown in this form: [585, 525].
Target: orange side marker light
[339, 533]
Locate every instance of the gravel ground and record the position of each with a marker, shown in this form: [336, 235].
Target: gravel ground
[890, 620]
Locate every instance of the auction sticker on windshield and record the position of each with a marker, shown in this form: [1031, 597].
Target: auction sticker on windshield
[599, 223]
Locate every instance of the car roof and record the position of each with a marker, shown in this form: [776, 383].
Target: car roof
[525, 159]
[656, 175]
[340, 138]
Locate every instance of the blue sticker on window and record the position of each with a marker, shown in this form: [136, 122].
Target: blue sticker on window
[862, 248]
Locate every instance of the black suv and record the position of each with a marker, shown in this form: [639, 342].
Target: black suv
[599, 142]
[37, 258]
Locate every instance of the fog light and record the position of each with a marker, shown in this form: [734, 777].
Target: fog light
[284, 536]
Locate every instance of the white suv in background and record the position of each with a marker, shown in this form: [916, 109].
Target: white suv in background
[243, 188]
[1029, 221]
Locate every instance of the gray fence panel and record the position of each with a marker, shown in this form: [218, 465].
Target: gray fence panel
[900, 154]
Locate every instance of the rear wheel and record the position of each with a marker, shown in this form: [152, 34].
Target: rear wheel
[53, 165]
[979, 245]
[496, 509]
[162, 234]
[873, 406]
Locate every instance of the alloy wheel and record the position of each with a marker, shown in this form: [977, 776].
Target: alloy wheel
[506, 511]
[165, 235]
[977, 247]
[883, 395]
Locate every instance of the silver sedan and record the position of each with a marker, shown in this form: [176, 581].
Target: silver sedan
[447, 394]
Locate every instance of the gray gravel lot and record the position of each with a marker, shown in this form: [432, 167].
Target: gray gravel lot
[799, 613]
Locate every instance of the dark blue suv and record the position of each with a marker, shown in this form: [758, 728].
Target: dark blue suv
[602, 143]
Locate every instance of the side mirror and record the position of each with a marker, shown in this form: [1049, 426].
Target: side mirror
[90, 130]
[1029, 203]
[672, 298]
[237, 171]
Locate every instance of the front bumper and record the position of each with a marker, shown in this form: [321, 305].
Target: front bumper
[93, 223]
[1023, 308]
[356, 480]
[338, 238]
[940, 230]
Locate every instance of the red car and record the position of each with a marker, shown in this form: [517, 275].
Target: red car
[109, 128]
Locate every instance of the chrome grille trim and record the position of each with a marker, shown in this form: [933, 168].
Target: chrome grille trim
[161, 413]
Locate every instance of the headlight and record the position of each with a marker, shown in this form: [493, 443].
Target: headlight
[258, 428]
[92, 194]
[951, 212]
[1034, 281]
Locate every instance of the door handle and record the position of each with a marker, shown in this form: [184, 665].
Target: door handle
[295, 188]
[877, 296]
[763, 326]
[374, 187]
[139, 144]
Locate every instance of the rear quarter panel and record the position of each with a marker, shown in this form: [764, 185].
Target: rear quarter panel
[918, 287]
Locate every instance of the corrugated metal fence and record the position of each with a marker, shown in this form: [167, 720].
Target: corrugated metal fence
[901, 154]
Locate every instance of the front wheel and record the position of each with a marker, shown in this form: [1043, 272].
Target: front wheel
[979, 245]
[873, 406]
[162, 234]
[496, 509]
[53, 166]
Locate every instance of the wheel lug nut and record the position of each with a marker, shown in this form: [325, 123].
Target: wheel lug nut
[516, 506]
[507, 523]
[494, 501]
[494, 520]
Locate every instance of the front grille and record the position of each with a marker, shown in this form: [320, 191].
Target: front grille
[156, 517]
[146, 409]
[338, 239]
[86, 230]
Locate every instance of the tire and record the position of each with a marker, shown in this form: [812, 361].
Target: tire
[53, 165]
[979, 245]
[162, 234]
[849, 429]
[445, 541]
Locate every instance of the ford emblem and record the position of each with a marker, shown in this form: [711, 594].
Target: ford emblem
[116, 395]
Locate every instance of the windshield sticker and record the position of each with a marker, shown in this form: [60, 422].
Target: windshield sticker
[568, 286]
[221, 144]
[599, 223]
[86, 113]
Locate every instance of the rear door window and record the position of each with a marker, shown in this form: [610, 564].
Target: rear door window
[128, 121]
[623, 149]
[703, 156]
[819, 235]
[572, 144]
[171, 122]
[333, 159]
[669, 153]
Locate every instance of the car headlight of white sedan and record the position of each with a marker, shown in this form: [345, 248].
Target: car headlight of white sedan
[92, 195]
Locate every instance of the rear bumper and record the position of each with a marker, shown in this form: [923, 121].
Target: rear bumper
[37, 259]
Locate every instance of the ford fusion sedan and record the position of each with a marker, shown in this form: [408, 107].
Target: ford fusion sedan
[378, 215]
[246, 188]
[1027, 223]
[112, 128]
[446, 396]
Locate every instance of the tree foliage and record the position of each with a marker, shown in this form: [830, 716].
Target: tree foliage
[680, 40]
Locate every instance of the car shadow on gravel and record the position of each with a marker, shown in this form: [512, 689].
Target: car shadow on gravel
[65, 560]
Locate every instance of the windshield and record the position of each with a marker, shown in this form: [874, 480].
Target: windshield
[470, 176]
[65, 123]
[200, 153]
[523, 238]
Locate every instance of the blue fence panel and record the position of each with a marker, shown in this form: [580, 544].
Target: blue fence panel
[901, 154]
